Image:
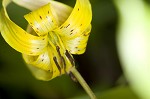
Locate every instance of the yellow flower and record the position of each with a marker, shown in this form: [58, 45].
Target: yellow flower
[55, 31]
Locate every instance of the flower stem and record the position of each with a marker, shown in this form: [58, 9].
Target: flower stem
[83, 83]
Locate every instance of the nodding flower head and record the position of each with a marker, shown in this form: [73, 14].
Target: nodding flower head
[55, 32]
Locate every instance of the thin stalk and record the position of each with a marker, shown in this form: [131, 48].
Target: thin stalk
[83, 83]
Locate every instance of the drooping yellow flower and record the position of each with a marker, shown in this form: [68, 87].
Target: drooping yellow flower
[55, 32]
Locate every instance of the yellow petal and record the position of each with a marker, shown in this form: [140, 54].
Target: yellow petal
[73, 30]
[42, 64]
[78, 44]
[42, 20]
[50, 64]
[40, 73]
[62, 10]
[78, 21]
[41, 61]
[31, 4]
[55, 61]
[19, 39]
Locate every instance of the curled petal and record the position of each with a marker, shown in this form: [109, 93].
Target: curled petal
[78, 21]
[41, 61]
[42, 20]
[47, 65]
[62, 10]
[19, 39]
[31, 4]
[42, 64]
[40, 73]
[76, 29]
[77, 45]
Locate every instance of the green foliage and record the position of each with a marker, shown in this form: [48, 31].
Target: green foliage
[122, 92]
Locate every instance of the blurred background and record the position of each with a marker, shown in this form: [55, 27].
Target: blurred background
[100, 65]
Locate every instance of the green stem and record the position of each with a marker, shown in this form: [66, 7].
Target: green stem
[83, 83]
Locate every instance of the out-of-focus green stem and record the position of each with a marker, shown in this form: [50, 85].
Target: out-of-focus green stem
[133, 40]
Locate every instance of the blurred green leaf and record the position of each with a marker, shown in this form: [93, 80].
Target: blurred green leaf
[123, 92]
[118, 93]
[133, 40]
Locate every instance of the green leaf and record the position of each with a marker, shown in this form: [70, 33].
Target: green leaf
[123, 92]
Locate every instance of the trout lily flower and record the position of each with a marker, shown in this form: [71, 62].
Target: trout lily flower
[55, 32]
